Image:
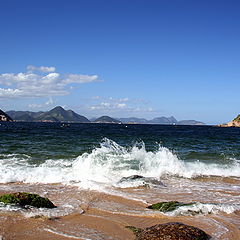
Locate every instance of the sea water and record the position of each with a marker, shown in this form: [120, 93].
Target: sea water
[199, 164]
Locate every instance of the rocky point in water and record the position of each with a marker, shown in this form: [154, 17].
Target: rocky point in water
[169, 231]
[26, 199]
[234, 123]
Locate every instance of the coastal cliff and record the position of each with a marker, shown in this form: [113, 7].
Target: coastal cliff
[234, 123]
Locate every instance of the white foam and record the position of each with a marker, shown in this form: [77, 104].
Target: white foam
[204, 208]
[30, 212]
[54, 231]
[106, 165]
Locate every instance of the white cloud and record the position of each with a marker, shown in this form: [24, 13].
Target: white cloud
[105, 104]
[114, 105]
[33, 105]
[78, 78]
[9, 93]
[32, 84]
[32, 68]
[49, 102]
[124, 99]
[121, 105]
[109, 105]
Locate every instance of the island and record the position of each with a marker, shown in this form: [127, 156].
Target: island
[234, 123]
[107, 119]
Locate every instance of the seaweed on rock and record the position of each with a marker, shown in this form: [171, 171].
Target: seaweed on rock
[168, 206]
[24, 199]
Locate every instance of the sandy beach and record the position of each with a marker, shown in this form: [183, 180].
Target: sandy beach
[83, 214]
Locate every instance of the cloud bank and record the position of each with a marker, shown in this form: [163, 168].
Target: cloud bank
[40, 82]
[118, 105]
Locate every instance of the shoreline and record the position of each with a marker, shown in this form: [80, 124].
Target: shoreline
[97, 220]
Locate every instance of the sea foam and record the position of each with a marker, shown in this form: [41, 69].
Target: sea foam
[107, 164]
[204, 208]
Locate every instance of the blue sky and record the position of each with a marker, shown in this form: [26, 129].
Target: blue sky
[122, 58]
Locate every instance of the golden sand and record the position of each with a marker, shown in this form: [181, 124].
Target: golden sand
[104, 217]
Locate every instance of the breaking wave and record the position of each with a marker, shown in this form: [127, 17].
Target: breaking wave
[107, 164]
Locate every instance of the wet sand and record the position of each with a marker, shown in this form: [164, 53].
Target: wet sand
[95, 225]
[93, 215]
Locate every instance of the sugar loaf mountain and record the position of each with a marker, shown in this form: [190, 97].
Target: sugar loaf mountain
[58, 114]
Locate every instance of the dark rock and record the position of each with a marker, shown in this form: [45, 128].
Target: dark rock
[4, 117]
[131, 178]
[168, 206]
[170, 231]
[154, 181]
[147, 180]
[24, 199]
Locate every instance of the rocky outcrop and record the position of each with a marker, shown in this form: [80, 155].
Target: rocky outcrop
[131, 178]
[26, 199]
[234, 123]
[147, 180]
[168, 206]
[4, 117]
[170, 231]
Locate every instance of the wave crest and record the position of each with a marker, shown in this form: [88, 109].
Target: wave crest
[107, 164]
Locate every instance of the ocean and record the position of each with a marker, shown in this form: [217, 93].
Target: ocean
[84, 170]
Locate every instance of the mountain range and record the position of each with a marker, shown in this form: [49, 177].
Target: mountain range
[160, 120]
[58, 114]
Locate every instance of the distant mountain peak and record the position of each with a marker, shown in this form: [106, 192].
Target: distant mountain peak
[106, 119]
[163, 120]
[57, 114]
[58, 109]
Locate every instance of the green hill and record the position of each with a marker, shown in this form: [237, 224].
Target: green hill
[57, 114]
[106, 119]
[237, 118]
